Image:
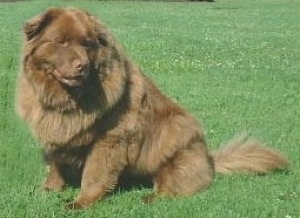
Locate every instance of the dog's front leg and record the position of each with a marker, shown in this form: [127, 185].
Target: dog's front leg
[54, 180]
[101, 172]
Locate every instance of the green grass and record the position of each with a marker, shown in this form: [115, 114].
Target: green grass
[234, 64]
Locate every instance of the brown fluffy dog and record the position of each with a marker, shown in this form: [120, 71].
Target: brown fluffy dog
[99, 116]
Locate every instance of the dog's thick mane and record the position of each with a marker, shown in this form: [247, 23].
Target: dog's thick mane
[60, 115]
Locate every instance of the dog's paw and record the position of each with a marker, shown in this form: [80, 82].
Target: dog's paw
[73, 205]
[53, 185]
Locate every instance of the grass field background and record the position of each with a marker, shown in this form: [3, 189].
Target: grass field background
[234, 64]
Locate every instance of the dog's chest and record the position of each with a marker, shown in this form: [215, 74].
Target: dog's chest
[60, 129]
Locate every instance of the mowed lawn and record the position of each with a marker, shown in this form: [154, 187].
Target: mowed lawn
[234, 64]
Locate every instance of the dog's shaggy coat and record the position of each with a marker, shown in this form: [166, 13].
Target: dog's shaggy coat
[99, 116]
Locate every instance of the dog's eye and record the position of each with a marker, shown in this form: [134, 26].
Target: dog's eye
[89, 43]
[62, 41]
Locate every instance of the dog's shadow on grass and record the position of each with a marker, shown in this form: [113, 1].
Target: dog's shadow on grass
[127, 181]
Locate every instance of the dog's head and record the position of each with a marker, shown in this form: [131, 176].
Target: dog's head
[62, 45]
[70, 57]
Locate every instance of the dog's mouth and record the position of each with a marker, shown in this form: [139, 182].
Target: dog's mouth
[70, 79]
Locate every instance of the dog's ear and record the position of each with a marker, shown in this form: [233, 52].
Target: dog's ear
[99, 29]
[102, 39]
[37, 24]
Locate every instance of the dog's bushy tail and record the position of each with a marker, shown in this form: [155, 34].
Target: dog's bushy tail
[243, 155]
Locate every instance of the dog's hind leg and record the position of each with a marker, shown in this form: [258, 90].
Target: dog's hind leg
[189, 171]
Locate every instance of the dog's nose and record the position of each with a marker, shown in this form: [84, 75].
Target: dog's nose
[78, 65]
